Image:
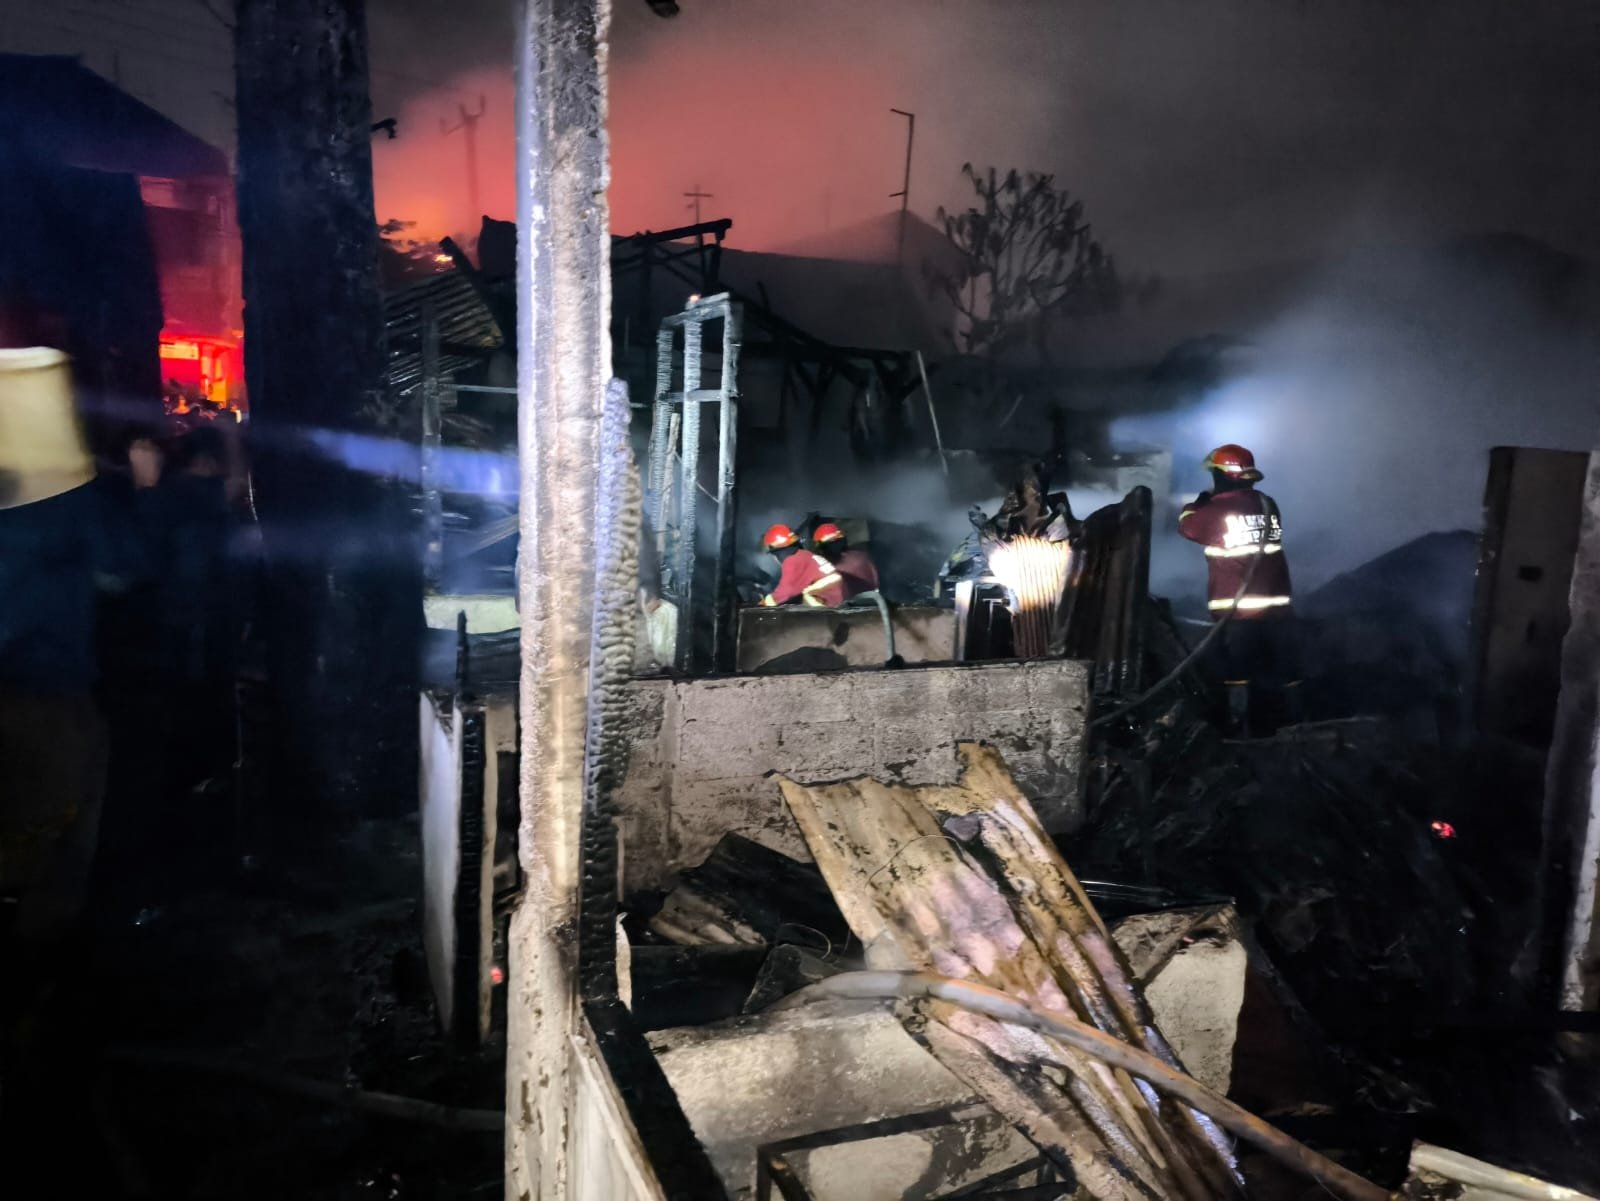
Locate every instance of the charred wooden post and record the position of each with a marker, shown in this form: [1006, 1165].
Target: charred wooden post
[706, 631]
[342, 606]
[723, 633]
[1569, 950]
[563, 362]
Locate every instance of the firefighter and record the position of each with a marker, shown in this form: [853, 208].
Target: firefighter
[804, 576]
[858, 573]
[1242, 533]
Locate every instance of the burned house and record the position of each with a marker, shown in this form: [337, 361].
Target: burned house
[971, 890]
[150, 282]
[615, 876]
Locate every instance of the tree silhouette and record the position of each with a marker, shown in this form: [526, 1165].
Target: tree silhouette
[1026, 253]
[404, 258]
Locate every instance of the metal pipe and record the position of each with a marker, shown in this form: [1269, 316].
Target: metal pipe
[978, 998]
[1475, 1173]
[938, 440]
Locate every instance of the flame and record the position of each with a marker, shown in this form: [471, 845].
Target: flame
[1034, 572]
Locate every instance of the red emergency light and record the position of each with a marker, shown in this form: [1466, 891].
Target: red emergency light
[203, 368]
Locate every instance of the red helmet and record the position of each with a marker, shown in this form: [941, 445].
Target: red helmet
[827, 532]
[779, 537]
[1233, 460]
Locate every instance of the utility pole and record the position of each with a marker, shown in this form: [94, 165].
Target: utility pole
[468, 125]
[695, 197]
[905, 187]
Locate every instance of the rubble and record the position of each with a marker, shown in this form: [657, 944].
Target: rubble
[768, 1077]
[962, 881]
[855, 1108]
[748, 894]
[1436, 1173]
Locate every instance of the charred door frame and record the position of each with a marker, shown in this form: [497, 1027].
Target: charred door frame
[674, 505]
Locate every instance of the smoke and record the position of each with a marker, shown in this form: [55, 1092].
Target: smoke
[1200, 136]
[1372, 402]
[916, 515]
[780, 112]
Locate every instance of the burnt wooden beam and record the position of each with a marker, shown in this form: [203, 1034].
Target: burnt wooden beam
[342, 609]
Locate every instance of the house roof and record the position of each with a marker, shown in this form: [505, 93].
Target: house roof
[55, 107]
[875, 305]
[849, 289]
[464, 322]
[878, 240]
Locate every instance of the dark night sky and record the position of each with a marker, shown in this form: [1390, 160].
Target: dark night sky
[1200, 134]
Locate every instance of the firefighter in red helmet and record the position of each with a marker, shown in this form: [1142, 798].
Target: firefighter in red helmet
[857, 572]
[803, 577]
[1241, 530]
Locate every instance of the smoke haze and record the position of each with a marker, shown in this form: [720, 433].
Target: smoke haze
[1200, 136]
[1372, 402]
[1203, 138]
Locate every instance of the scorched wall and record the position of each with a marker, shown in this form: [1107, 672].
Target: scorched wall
[703, 748]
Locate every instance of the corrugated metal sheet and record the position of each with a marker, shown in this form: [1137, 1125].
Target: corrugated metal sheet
[463, 318]
[1107, 590]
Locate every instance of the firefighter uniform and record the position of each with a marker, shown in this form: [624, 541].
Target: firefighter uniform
[1236, 529]
[857, 572]
[808, 579]
[1241, 531]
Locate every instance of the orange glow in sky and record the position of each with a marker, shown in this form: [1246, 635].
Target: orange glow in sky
[730, 126]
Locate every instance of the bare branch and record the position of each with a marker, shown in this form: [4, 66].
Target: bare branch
[1026, 252]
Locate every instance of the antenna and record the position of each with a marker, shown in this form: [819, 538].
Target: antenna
[468, 125]
[905, 188]
[695, 196]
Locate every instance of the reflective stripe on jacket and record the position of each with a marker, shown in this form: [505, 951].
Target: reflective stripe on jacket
[1238, 529]
[805, 575]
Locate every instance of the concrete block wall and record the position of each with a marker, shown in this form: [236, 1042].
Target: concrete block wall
[922, 634]
[780, 1075]
[704, 748]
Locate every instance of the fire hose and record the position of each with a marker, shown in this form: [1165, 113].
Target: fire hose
[1200, 647]
[991, 1002]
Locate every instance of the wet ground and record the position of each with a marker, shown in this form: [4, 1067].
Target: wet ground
[208, 985]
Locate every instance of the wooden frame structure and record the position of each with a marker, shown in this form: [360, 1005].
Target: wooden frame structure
[674, 497]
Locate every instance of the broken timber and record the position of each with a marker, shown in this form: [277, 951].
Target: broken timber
[964, 882]
[1006, 972]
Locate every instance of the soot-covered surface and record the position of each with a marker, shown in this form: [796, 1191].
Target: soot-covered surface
[1388, 886]
[306, 963]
